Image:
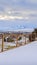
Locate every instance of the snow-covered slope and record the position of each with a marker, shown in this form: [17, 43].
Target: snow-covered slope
[25, 55]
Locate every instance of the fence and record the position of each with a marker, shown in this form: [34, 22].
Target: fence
[28, 38]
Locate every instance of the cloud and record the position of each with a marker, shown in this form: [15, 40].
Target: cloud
[18, 9]
[20, 15]
[7, 17]
[18, 4]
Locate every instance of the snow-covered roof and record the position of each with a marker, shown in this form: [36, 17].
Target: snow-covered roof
[25, 55]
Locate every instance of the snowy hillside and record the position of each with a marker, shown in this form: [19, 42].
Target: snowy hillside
[25, 55]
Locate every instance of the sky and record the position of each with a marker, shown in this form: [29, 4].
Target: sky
[18, 12]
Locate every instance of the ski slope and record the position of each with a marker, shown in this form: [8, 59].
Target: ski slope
[24, 55]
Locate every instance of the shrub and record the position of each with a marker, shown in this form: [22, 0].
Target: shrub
[9, 40]
[19, 38]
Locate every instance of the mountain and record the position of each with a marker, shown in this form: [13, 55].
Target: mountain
[15, 25]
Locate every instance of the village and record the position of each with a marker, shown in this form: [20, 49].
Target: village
[11, 40]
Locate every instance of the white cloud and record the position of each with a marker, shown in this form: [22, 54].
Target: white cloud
[20, 15]
[6, 17]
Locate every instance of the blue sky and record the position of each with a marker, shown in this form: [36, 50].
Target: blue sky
[18, 13]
